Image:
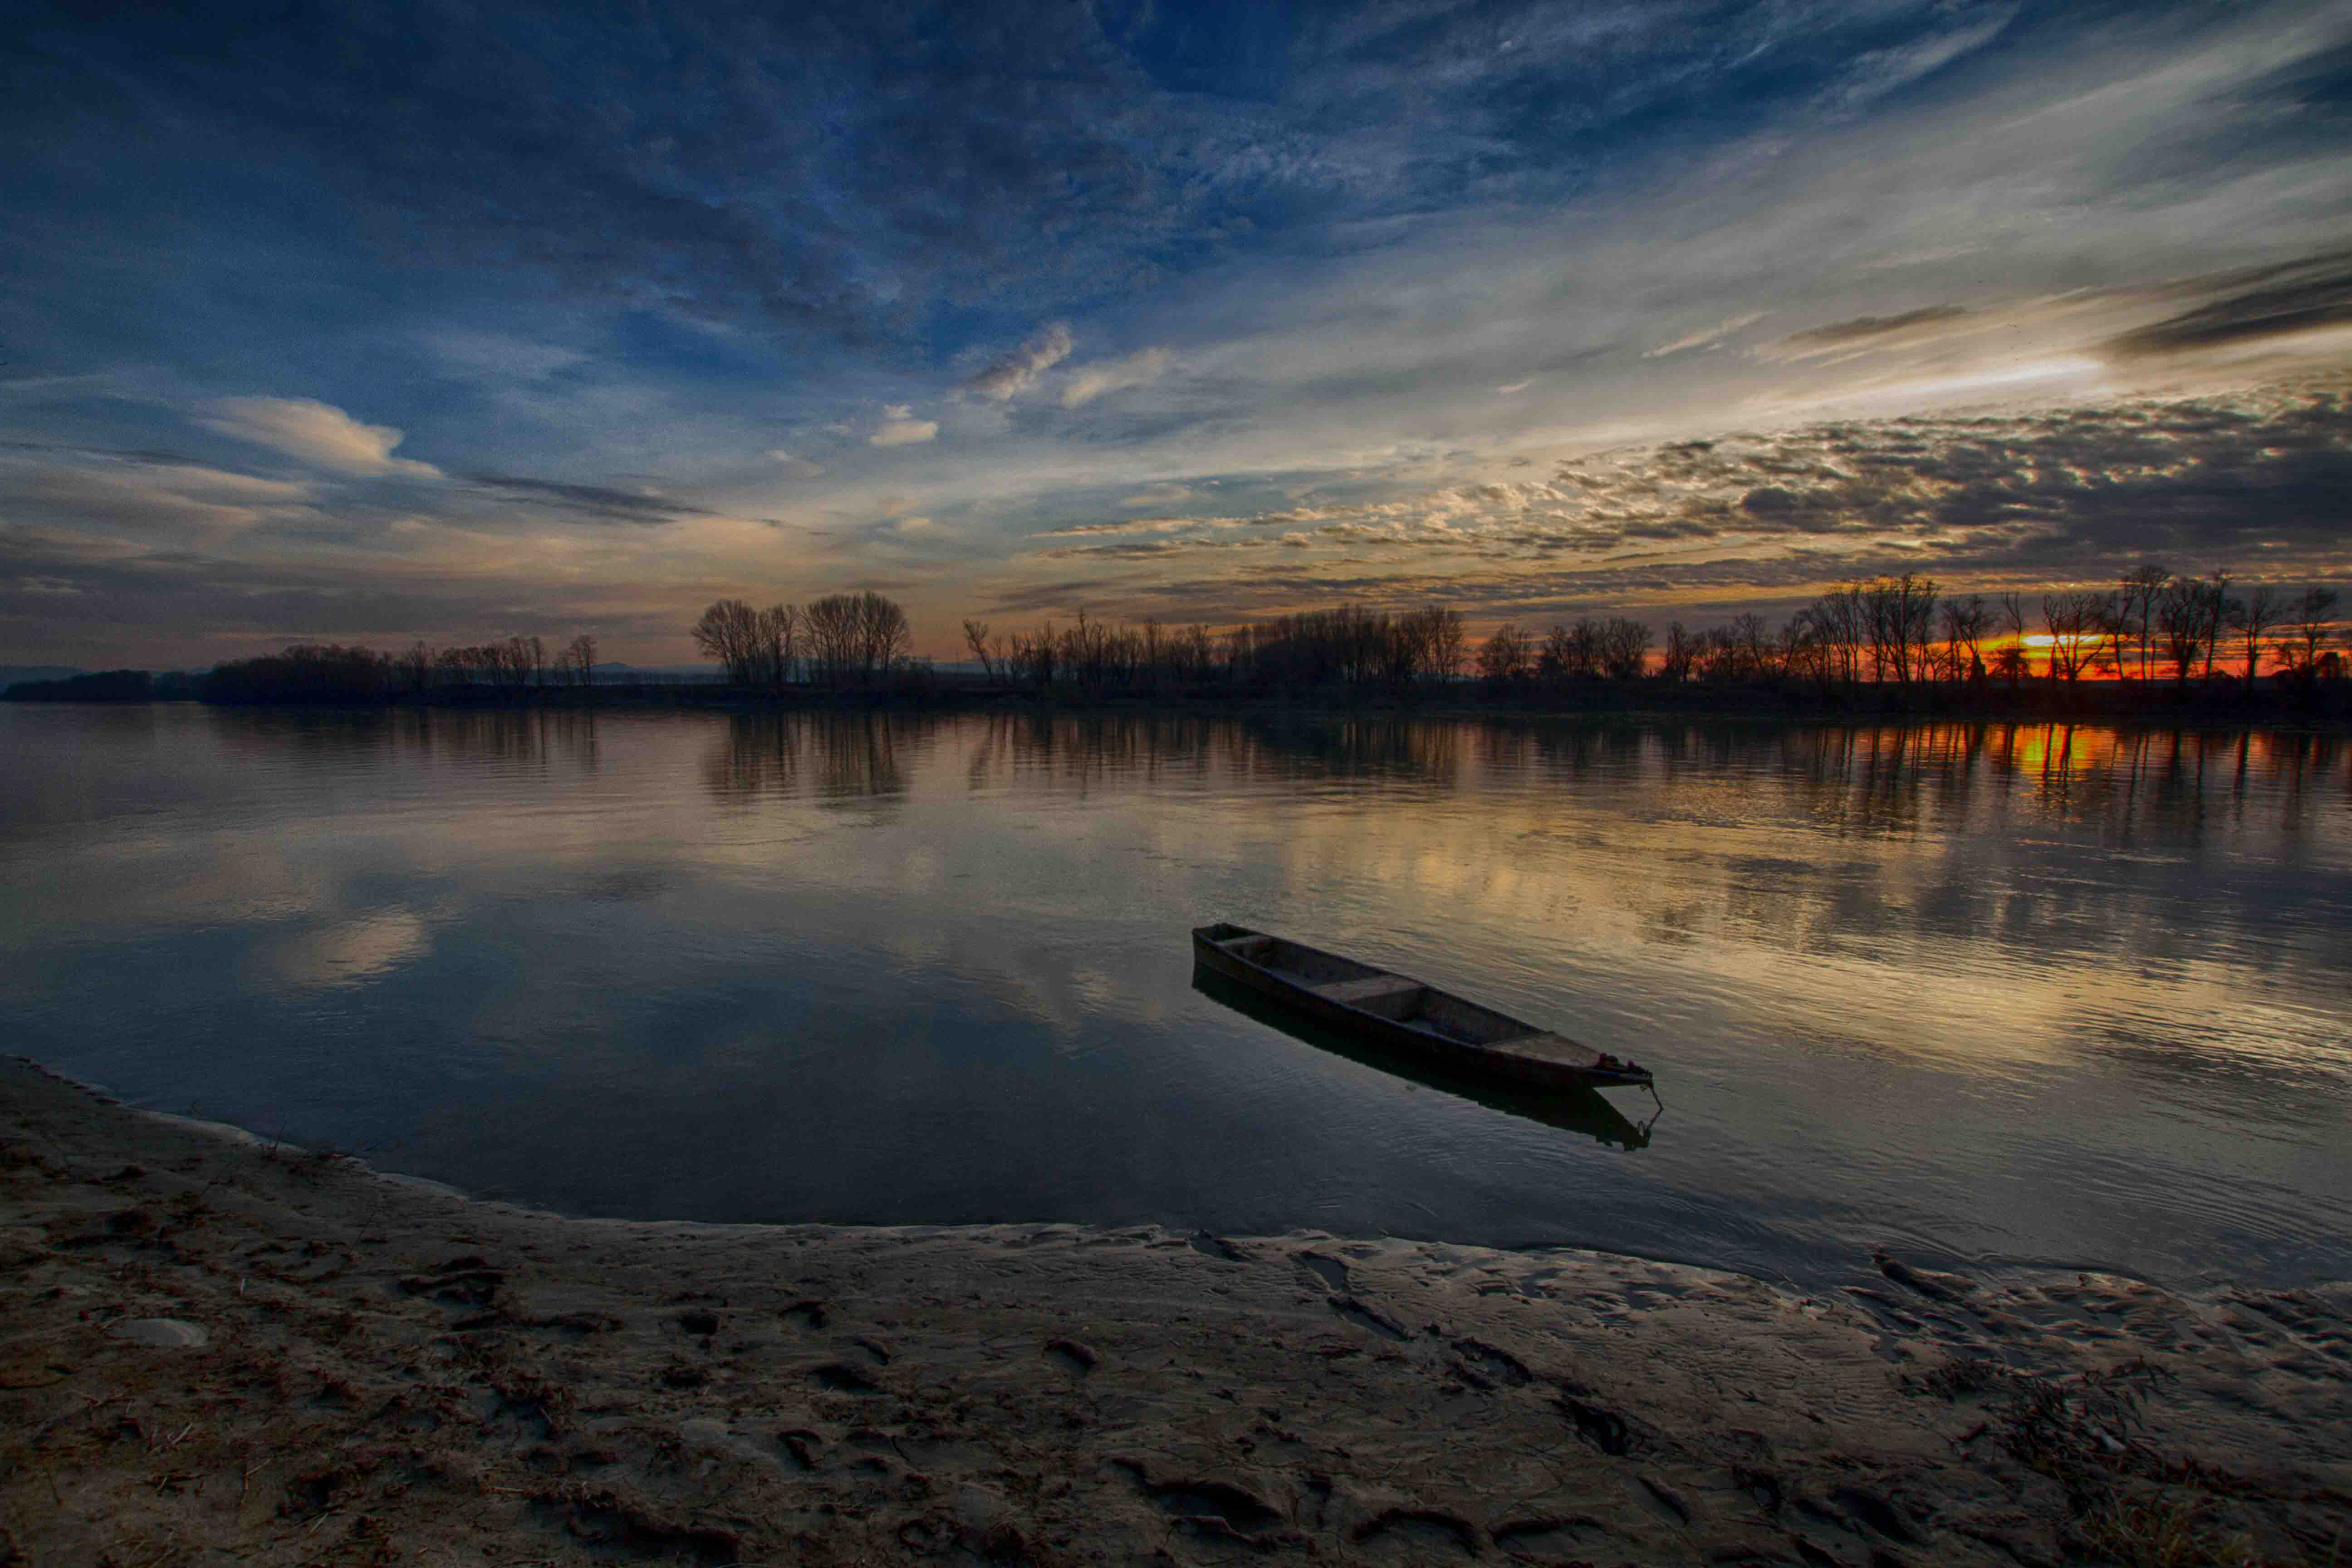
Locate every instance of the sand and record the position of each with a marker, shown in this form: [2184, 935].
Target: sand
[213, 1350]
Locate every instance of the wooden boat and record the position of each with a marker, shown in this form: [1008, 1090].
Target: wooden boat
[1402, 1013]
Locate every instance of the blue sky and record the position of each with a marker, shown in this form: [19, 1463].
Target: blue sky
[376, 322]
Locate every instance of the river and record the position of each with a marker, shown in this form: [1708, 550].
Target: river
[1984, 996]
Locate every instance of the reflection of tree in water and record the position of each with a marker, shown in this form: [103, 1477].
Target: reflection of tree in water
[530, 738]
[757, 754]
[537, 737]
[856, 756]
[269, 733]
[848, 756]
[1404, 750]
[2062, 838]
[1145, 747]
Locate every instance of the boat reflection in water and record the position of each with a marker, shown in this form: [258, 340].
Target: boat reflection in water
[1582, 1111]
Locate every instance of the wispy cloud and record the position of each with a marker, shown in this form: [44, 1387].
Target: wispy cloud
[2310, 295]
[1832, 337]
[1706, 337]
[1011, 374]
[588, 500]
[1104, 377]
[899, 427]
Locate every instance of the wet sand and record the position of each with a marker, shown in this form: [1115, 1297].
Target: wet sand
[215, 1350]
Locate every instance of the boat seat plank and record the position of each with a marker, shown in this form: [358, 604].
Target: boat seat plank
[1371, 988]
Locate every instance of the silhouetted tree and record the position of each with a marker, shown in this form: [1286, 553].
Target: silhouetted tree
[1966, 622]
[578, 659]
[2255, 618]
[2077, 622]
[2308, 624]
[414, 667]
[2181, 622]
[1681, 655]
[2012, 657]
[728, 632]
[2136, 603]
[975, 637]
[1503, 658]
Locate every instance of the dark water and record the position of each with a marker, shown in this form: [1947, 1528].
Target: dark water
[1985, 994]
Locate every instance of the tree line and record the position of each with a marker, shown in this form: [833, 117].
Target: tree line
[334, 672]
[1899, 630]
[2155, 625]
[1358, 649]
[1906, 631]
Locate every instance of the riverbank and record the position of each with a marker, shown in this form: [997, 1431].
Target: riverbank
[217, 1347]
[2118, 704]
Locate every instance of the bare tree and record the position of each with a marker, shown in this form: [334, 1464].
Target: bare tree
[835, 640]
[2011, 657]
[1838, 619]
[1625, 648]
[2136, 603]
[1503, 658]
[2309, 623]
[2217, 603]
[728, 633]
[1682, 652]
[1444, 643]
[579, 659]
[1899, 616]
[414, 667]
[1965, 621]
[2180, 624]
[884, 637]
[2255, 618]
[2078, 622]
[776, 636]
[975, 637]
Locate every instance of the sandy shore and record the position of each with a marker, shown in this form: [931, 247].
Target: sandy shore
[213, 1350]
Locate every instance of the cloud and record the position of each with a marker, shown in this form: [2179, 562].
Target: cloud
[1879, 72]
[495, 356]
[315, 433]
[798, 466]
[117, 503]
[1706, 337]
[2317, 295]
[899, 427]
[1859, 329]
[588, 500]
[1013, 374]
[1158, 495]
[2258, 482]
[1104, 377]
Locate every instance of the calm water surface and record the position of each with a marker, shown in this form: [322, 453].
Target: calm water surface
[1989, 994]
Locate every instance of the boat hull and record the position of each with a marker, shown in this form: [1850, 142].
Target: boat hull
[1521, 1053]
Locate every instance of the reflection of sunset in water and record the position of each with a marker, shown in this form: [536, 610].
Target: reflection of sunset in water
[2064, 992]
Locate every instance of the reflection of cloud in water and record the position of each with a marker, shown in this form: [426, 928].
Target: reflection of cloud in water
[349, 954]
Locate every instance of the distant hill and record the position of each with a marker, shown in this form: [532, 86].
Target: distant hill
[618, 674]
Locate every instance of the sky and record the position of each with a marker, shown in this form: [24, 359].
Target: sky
[372, 323]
